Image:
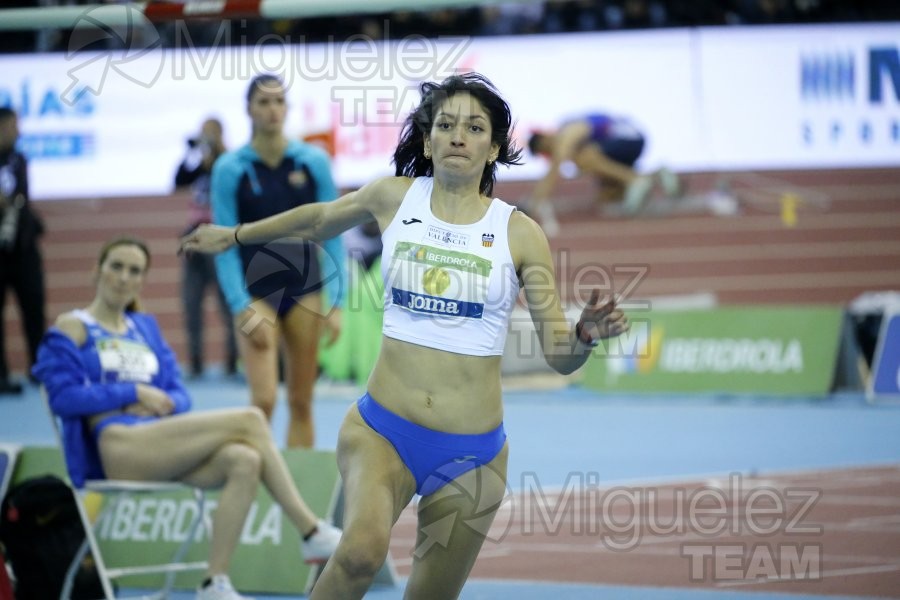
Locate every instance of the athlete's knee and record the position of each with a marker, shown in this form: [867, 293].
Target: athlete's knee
[301, 405]
[264, 402]
[300, 384]
[362, 554]
[253, 422]
[244, 462]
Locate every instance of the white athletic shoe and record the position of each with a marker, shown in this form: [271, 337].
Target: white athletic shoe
[670, 182]
[636, 194]
[322, 544]
[220, 589]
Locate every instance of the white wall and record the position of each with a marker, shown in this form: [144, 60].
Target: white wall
[99, 124]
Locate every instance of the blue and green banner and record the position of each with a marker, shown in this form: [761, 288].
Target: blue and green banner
[753, 350]
[146, 529]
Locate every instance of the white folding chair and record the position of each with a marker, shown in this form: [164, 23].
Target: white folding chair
[115, 491]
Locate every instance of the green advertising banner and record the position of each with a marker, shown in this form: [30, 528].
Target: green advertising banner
[148, 528]
[759, 350]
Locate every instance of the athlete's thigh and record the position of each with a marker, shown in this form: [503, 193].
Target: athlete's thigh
[301, 329]
[302, 325]
[171, 447]
[453, 523]
[590, 159]
[377, 485]
[257, 339]
[214, 472]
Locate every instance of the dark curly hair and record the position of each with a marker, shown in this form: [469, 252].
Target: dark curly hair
[409, 158]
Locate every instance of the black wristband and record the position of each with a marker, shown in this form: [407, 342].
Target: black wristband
[236, 229]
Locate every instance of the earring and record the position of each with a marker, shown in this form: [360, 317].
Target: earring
[427, 154]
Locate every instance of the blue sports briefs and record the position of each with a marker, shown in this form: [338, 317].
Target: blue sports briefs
[435, 458]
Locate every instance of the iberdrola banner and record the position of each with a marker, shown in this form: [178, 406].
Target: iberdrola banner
[770, 350]
[146, 529]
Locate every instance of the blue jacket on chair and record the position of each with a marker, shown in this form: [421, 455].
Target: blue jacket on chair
[73, 379]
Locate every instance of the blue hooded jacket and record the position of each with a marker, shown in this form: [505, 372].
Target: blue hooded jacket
[71, 376]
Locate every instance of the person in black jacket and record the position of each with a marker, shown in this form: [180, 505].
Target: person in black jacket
[21, 267]
[199, 269]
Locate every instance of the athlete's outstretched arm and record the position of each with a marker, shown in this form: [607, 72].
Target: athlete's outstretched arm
[565, 348]
[315, 222]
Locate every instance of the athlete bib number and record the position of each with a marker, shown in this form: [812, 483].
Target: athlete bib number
[126, 360]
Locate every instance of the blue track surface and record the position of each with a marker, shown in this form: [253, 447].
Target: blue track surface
[621, 438]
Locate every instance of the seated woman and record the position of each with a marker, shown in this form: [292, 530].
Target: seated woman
[114, 382]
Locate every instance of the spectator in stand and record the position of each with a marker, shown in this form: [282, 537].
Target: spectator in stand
[21, 266]
[199, 270]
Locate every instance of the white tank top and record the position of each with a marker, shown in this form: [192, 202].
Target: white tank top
[446, 286]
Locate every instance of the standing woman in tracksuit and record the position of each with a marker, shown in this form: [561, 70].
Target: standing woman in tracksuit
[287, 290]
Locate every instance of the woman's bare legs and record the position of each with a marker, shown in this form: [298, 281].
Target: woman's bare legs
[259, 350]
[440, 571]
[609, 191]
[235, 467]
[302, 328]
[636, 188]
[186, 448]
[377, 487]
[591, 160]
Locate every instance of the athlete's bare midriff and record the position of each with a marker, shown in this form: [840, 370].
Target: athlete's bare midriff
[440, 390]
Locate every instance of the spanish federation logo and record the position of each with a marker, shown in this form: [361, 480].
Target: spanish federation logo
[487, 240]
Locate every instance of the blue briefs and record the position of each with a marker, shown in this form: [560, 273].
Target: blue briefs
[435, 458]
[625, 151]
[120, 419]
[281, 273]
